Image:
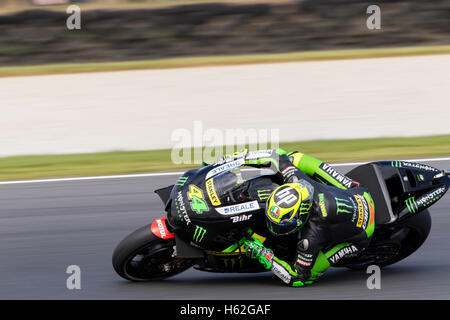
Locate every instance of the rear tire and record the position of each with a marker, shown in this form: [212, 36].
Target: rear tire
[142, 256]
[418, 228]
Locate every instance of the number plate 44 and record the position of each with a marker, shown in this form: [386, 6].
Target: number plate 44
[197, 200]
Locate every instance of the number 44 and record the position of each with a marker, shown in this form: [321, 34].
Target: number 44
[198, 204]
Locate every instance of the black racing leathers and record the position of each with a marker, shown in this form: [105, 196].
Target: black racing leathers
[341, 219]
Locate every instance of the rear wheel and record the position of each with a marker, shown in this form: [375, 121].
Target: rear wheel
[394, 243]
[142, 256]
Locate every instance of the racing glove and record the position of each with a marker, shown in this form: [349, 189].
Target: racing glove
[266, 159]
[265, 256]
[271, 159]
[255, 250]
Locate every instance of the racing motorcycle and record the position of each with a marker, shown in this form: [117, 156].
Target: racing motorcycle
[217, 208]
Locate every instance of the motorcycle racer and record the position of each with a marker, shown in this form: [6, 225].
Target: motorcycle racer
[216, 214]
[333, 215]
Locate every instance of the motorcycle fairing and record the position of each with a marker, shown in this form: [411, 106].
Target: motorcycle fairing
[159, 229]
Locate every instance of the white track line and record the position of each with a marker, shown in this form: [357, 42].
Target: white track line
[160, 174]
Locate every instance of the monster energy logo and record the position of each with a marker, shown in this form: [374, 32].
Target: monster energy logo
[199, 234]
[412, 205]
[431, 197]
[396, 164]
[232, 261]
[343, 205]
[181, 181]
[304, 207]
[322, 205]
[264, 194]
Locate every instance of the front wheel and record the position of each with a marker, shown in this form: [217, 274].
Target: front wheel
[142, 256]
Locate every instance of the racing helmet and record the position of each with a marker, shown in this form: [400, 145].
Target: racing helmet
[288, 207]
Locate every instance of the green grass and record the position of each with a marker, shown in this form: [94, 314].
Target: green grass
[123, 162]
[221, 60]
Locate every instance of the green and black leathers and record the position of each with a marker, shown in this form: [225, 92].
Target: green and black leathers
[341, 218]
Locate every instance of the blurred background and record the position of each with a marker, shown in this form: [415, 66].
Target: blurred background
[401, 93]
[34, 31]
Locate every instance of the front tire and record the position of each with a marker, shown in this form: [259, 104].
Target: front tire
[142, 256]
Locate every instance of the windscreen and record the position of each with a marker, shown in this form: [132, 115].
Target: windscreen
[229, 185]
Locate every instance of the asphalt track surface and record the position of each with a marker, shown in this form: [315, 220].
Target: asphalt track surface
[45, 227]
